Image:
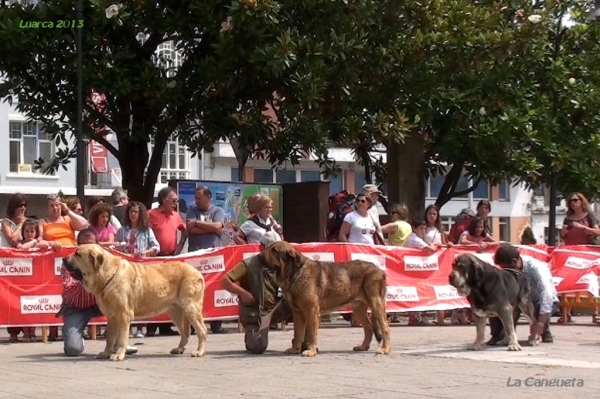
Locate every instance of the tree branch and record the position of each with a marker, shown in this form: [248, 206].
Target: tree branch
[468, 190]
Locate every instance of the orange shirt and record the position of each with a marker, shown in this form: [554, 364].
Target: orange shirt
[61, 232]
[165, 226]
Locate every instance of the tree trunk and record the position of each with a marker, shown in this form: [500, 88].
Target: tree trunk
[406, 173]
[139, 184]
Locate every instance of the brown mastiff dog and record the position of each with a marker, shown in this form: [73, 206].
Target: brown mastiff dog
[312, 288]
[125, 290]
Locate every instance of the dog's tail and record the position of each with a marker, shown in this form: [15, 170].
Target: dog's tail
[377, 331]
[375, 325]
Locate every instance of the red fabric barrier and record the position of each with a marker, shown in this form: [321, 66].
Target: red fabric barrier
[30, 286]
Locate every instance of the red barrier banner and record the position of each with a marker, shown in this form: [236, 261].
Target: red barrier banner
[30, 285]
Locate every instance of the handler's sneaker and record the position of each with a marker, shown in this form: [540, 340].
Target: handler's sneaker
[131, 350]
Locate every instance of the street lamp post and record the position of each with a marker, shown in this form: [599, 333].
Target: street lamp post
[80, 146]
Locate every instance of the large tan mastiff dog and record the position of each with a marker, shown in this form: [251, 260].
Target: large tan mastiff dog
[312, 288]
[125, 290]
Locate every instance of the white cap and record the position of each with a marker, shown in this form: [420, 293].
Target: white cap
[269, 238]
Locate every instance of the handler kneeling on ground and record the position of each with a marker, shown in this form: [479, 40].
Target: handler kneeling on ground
[78, 305]
[543, 294]
[258, 292]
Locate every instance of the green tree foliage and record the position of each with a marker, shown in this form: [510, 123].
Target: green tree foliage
[279, 77]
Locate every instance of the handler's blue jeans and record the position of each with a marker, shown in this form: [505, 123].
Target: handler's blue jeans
[497, 327]
[75, 321]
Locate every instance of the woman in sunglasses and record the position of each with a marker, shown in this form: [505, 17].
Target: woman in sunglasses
[12, 223]
[359, 227]
[11, 237]
[580, 226]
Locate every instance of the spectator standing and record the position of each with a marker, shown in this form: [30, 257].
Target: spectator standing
[99, 218]
[373, 192]
[434, 232]
[476, 234]
[113, 220]
[359, 226]
[252, 230]
[12, 223]
[59, 231]
[119, 199]
[205, 224]
[580, 226]
[417, 240]
[166, 223]
[139, 239]
[29, 232]
[398, 230]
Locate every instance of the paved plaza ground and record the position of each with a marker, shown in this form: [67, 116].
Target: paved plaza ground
[426, 362]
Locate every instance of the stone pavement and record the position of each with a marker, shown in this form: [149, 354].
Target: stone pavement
[426, 362]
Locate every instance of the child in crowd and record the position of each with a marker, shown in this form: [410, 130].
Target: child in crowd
[99, 218]
[31, 240]
[417, 240]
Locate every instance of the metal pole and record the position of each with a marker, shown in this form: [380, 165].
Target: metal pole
[202, 167]
[470, 195]
[80, 176]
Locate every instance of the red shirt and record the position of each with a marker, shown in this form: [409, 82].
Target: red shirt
[73, 293]
[165, 227]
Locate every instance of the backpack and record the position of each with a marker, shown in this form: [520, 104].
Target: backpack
[340, 205]
[461, 224]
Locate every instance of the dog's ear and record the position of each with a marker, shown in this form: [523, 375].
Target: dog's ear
[97, 259]
[476, 270]
[293, 256]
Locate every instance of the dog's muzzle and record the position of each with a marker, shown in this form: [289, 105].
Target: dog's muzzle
[73, 271]
[454, 280]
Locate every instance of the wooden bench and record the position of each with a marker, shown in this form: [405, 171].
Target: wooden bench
[578, 300]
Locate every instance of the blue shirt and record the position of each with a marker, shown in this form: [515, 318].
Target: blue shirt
[144, 240]
[205, 240]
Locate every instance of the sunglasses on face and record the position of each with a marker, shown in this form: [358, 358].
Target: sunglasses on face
[23, 206]
[362, 201]
[574, 200]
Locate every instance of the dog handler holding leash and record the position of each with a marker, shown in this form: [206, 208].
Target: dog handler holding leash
[543, 293]
[260, 297]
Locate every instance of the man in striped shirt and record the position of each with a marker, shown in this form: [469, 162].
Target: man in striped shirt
[78, 306]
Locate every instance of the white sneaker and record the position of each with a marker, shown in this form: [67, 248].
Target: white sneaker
[138, 334]
[131, 350]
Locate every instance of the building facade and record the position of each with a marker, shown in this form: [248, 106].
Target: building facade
[24, 142]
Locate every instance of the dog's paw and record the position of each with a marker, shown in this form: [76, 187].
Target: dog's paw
[117, 357]
[103, 355]
[382, 351]
[177, 351]
[292, 351]
[534, 340]
[198, 353]
[309, 353]
[514, 347]
[474, 346]
[360, 348]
